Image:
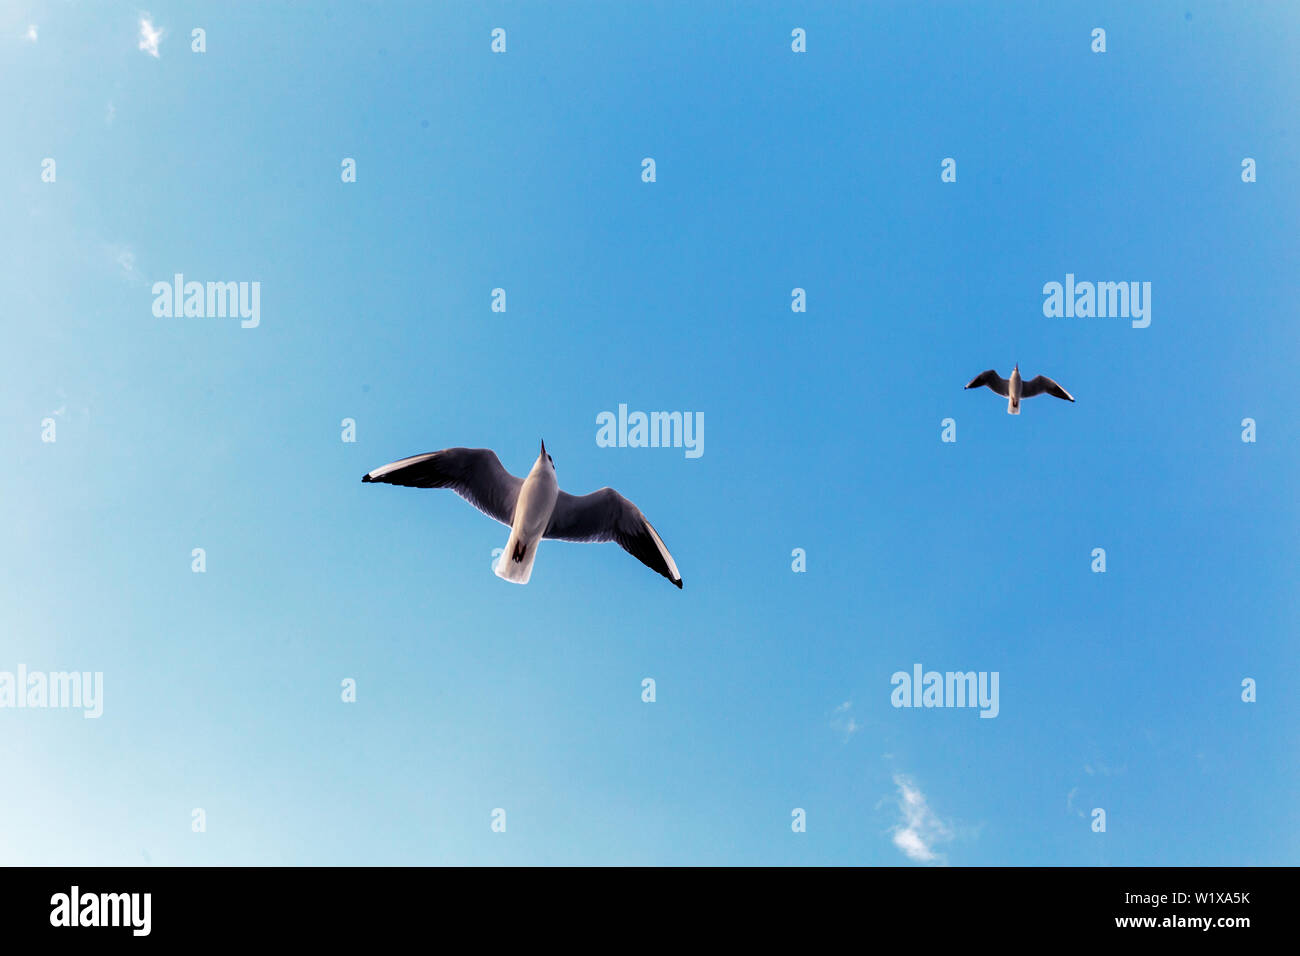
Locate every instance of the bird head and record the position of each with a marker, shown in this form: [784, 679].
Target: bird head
[1016, 369]
[544, 457]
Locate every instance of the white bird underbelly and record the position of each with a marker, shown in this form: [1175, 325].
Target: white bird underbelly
[532, 515]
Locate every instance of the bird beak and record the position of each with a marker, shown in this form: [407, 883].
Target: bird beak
[543, 446]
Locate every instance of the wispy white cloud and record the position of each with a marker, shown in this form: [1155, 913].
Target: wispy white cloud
[843, 721]
[123, 256]
[109, 113]
[149, 36]
[920, 828]
[1069, 802]
[1101, 768]
[30, 35]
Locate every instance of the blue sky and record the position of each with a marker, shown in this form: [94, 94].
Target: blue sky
[775, 170]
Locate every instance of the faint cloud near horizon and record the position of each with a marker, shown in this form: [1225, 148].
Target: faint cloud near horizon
[921, 828]
[149, 36]
[30, 35]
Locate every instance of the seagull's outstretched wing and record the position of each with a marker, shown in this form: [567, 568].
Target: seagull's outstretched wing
[1040, 384]
[993, 380]
[476, 474]
[606, 515]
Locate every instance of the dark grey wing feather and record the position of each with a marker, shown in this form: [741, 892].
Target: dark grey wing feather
[606, 515]
[1040, 384]
[476, 474]
[993, 380]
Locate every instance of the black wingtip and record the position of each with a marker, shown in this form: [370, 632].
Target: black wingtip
[678, 582]
[366, 477]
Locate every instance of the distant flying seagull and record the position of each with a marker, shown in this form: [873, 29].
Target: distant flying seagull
[1014, 389]
[533, 507]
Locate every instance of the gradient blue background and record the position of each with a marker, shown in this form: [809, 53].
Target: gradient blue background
[822, 431]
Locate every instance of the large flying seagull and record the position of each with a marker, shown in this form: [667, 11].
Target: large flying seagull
[533, 507]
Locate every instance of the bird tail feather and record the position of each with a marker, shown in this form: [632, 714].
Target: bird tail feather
[1013, 408]
[516, 561]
